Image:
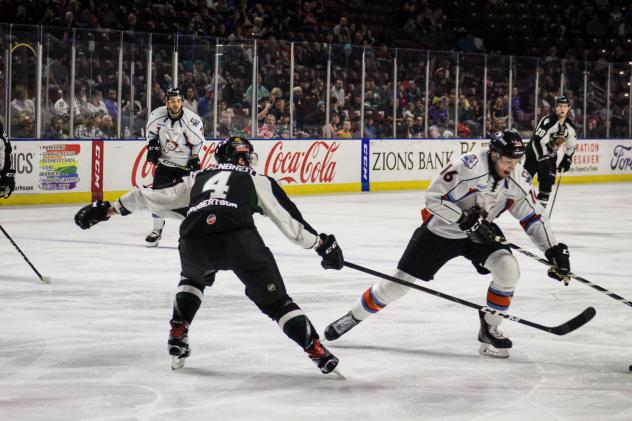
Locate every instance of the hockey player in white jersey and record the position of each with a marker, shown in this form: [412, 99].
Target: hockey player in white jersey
[7, 172]
[553, 131]
[175, 136]
[219, 233]
[461, 205]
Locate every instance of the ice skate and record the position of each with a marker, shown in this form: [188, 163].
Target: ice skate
[321, 356]
[340, 326]
[153, 238]
[178, 344]
[493, 342]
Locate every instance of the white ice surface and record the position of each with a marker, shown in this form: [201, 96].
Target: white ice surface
[92, 345]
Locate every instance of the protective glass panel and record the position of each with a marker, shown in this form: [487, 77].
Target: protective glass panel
[310, 75]
[471, 94]
[442, 95]
[273, 110]
[345, 92]
[23, 44]
[523, 95]
[411, 93]
[235, 100]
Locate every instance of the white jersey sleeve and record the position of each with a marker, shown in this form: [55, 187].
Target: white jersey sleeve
[525, 207]
[164, 202]
[283, 212]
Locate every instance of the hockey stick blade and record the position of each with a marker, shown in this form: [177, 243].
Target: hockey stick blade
[567, 327]
[575, 323]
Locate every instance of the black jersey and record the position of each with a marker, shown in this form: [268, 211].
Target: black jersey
[224, 199]
[540, 143]
[5, 151]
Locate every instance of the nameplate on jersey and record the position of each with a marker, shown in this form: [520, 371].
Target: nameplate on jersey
[211, 202]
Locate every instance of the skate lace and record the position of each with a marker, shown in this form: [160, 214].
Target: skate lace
[493, 330]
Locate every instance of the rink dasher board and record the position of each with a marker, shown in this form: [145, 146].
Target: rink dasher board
[77, 171]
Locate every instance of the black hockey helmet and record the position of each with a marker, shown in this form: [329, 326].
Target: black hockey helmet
[561, 100]
[231, 149]
[173, 92]
[507, 143]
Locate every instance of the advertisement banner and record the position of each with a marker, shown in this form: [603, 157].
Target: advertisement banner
[304, 166]
[602, 157]
[406, 163]
[51, 166]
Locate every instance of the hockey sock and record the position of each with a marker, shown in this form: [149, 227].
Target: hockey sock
[159, 222]
[498, 300]
[188, 300]
[292, 320]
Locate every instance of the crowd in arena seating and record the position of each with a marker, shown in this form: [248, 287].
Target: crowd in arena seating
[596, 30]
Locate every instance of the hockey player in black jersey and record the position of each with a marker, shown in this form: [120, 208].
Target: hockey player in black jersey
[552, 132]
[218, 233]
[7, 172]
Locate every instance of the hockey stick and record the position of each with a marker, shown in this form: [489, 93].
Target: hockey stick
[567, 327]
[572, 275]
[557, 188]
[44, 279]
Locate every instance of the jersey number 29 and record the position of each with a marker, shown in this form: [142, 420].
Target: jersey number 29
[218, 185]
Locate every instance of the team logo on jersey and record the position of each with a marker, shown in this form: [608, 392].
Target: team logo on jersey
[271, 287]
[195, 121]
[470, 160]
[210, 220]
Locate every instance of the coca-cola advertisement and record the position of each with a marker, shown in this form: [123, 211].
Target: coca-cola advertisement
[306, 162]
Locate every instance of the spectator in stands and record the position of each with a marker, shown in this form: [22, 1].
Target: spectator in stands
[96, 103]
[205, 104]
[107, 127]
[369, 126]
[190, 99]
[25, 127]
[157, 96]
[438, 112]
[345, 131]
[111, 103]
[279, 110]
[338, 92]
[277, 76]
[405, 128]
[56, 129]
[330, 130]
[269, 129]
[21, 105]
[262, 91]
[87, 129]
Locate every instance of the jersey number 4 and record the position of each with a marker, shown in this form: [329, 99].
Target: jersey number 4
[218, 185]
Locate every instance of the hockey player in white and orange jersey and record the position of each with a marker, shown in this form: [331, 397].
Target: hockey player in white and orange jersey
[461, 205]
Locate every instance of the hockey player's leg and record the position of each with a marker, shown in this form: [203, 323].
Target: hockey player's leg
[297, 326]
[154, 236]
[371, 301]
[504, 268]
[546, 181]
[186, 303]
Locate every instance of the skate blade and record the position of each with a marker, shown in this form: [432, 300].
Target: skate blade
[487, 350]
[177, 363]
[336, 371]
[151, 244]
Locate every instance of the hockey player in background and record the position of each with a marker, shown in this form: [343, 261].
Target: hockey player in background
[175, 136]
[552, 132]
[461, 205]
[218, 233]
[7, 172]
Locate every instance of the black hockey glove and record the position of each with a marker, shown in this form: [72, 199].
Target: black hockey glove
[7, 183]
[153, 150]
[565, 163]
[92, 214]
[330, 252]
[560, 258]
[194, 164]
[472, 222]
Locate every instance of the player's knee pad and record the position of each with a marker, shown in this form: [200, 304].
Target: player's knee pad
[504, 268]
